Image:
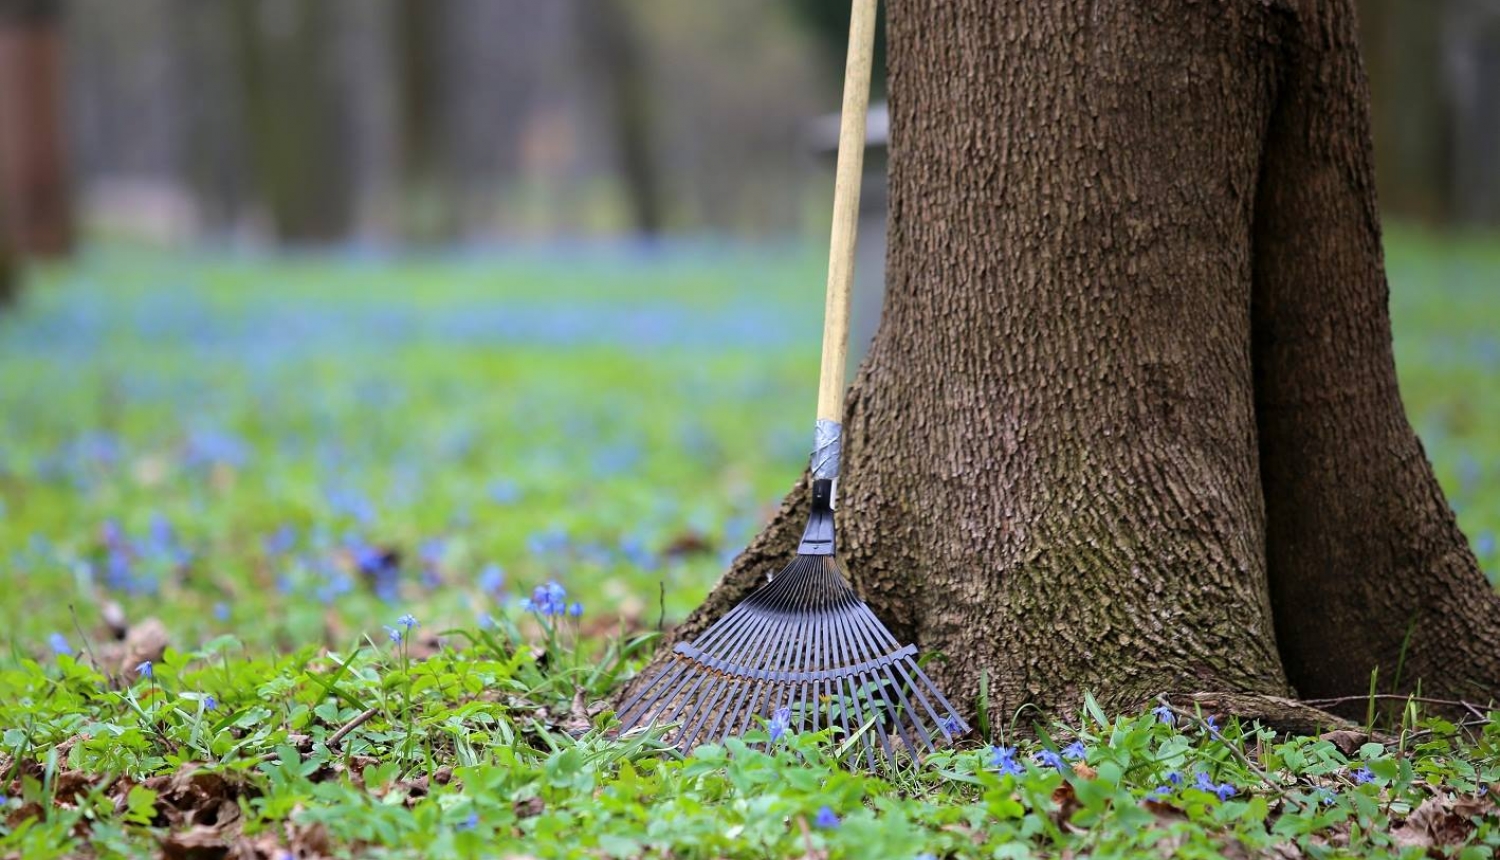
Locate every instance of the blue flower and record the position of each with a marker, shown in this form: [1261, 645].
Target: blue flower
[952, 725]
[210, 703]
[1164, 714]
[144, 669]
[780, 722]
[1205, 782]
[468, 823]
[491, 578]
[1049, 758]
[1004, 760]
[281, 541]
[547, 599]
[826, 818]
[1364, 775]
[394, 634]
[1161, 791]
[1074, 751]
[1327, 796]
[1175, 778]
[575, 609]
[432, 552]
[221, 611]
[1213, 725]
[1225, 791]
[408, 621]
[59, 644]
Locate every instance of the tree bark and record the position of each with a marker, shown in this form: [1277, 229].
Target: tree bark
[1368, 569]
[1130, 422]
[33, 163]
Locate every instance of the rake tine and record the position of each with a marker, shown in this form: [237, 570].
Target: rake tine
[863, 628]
[704, 710]
[750, 692]
[900, 727]
[730, 622]
[740, 642]
[629, 722]
[871, 623]
[859, 717]
[857, 655]
[771, 659]
[743, 688]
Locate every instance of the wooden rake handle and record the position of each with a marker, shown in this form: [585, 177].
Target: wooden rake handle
[851, 161]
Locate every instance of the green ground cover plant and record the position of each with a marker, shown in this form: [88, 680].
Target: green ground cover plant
[343, 555]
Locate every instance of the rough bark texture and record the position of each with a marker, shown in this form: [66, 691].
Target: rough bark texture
[1366, 560]
[1130, 421]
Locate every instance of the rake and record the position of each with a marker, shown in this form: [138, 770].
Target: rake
[803, 651]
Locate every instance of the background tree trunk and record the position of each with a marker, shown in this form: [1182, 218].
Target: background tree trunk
[290, 80]
[9, 277]
[33, 168]
[1134, 293]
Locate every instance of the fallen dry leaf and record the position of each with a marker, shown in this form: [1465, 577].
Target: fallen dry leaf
[144, 642]
[530, 807]
[1347, 741]
[1440, 821]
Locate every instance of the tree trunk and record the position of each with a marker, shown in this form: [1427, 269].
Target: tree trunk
[1130, 422]
[294, 117]
[33, 163]
[610, 35]
[9, 277]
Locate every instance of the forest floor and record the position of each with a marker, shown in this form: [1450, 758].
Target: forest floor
[267, 526]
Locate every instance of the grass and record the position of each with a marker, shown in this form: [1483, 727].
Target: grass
[248, 470]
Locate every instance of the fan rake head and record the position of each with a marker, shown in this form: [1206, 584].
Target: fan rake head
[806, 643]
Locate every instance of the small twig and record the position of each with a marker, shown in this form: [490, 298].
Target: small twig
[87, 646]
[661, 616]
[1264, 777]
[806, 836]
[1397, 697]
[346, 728]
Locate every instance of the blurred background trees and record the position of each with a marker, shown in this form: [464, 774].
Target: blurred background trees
[293, 122]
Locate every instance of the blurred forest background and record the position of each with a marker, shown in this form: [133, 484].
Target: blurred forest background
[394, 122]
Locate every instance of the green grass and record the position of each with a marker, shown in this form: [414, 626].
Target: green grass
[278, 458]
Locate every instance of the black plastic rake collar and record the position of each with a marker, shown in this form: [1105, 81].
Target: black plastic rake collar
[818, 537]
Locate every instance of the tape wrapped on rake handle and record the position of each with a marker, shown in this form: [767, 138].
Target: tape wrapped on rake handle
[828, 449]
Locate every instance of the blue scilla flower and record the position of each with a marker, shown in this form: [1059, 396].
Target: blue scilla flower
[951, 725]
[59, 644]
[1049, 758]
[394, 634]
[1225, 791]
[1364, 775]
[144, 669]
[491, 578]
[1004, 760]
[408, 621]
[575, 609]
[210, 703]
[548, 599]
[1074, 751]
[1164, 714]
[826, 818]
[780, 722]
